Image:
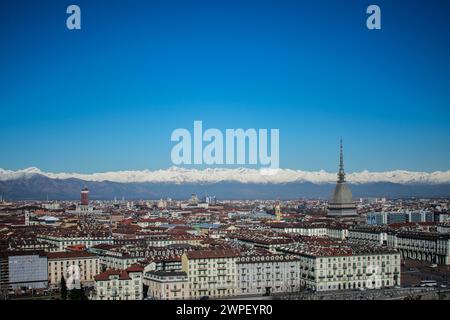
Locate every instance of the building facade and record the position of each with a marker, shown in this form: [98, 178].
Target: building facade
[167, 285]
[60, 264]
[23, 270]
[368, 234]
[211, 273]
[119, 284]
[344, 268]
[264, 274]
[424, 246]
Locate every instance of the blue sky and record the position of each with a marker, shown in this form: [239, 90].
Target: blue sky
[108, 96]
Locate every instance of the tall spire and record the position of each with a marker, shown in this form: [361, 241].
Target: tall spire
[341, 174]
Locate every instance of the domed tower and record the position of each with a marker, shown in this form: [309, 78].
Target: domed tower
[85, 196]
[341, 203]
[278, 213]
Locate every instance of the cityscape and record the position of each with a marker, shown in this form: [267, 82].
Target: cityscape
[205, 248]
[224, 158]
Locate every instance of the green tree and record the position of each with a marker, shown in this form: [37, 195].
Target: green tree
[63, 289]
[78, 294]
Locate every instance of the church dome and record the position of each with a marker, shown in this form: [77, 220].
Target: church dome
[341, 203]
[341, 194]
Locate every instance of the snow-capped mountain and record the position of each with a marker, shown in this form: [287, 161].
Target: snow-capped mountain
[177, 175]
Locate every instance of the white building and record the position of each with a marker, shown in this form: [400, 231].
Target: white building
[368, 234]
[87, 266]
[119, 284]
[211, 273]
[64, 240]
[425, 246]
[337, 266]
[443, 227]
[259, 274]
[167, 285]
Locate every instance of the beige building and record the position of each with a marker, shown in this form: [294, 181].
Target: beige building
[425, 246]
[87, 266]
[375, 235]
[167, 285]
[338, 266]
[119, 284]
[211, 273]
[63, 240]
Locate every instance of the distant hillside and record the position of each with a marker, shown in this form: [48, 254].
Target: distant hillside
[38, 187]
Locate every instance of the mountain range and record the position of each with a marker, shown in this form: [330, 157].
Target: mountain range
[242, 183]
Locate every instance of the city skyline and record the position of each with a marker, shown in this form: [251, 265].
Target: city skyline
[107, 97]
[257, 154]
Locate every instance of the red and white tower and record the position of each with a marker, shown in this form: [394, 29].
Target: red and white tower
[85, 196]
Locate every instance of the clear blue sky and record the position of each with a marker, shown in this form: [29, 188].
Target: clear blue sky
[107, 97]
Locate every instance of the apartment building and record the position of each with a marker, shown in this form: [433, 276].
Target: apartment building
[64, 239]
[425, 246]
[211, 273]
[166, 285]
[375, 235]
[340, 266]
[116, 284]
[122, 256]
[378, 218]
[59, 265]
[337, 232]
[267, 273]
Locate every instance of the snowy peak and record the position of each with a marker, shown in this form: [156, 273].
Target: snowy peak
[179, 175]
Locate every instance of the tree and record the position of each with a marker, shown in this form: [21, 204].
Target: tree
[63, 289]
[77, 294]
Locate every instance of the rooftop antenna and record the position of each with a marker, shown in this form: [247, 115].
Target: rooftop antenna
[341, 174]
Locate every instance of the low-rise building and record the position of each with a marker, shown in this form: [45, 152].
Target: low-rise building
[116, 284]
[425, 246]
[167, 285]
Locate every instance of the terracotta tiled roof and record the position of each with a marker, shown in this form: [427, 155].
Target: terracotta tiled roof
[135, 268]
[105, 276]
[69, 255]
